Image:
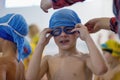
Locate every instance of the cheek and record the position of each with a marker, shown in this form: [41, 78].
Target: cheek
[74, 37]
[56, 40]
[107, 56]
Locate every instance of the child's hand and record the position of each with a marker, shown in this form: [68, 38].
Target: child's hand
[82, 31]
[45, 36]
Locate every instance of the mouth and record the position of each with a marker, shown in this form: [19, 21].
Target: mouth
[64, 41]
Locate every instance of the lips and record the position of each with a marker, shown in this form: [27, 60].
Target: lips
[64, 41]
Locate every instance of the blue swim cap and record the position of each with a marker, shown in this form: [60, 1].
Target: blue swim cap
[15, 28]
[26, 49]
[64, 17]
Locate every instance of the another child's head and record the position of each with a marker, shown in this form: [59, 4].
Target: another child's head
[62, 23]
[14, 28]
[33, 30]
[111, 50]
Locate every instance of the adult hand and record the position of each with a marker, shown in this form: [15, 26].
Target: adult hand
[45, 5]
[97, 24]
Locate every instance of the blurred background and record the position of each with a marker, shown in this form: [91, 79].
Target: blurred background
[33, 14]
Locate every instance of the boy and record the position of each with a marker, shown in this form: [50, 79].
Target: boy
[13, 29]
[95, 24]
[69, 63]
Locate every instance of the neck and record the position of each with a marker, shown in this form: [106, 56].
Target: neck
[68, 52]
[9, 49]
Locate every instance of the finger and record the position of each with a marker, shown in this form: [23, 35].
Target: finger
[88, 23]
[49, 36]
[47, 30]
[78, 25]
[76, 29]
[46, 11]
[90, 27]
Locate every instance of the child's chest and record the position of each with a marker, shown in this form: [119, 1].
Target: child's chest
[67, 66]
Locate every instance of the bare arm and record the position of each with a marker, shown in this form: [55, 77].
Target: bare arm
[20, 71]
[43, 67]
[34, 66]
[97, 24]
[2, 74]
[115, 70]
[95, 60]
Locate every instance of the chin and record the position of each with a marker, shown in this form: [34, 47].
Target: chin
[65, 47]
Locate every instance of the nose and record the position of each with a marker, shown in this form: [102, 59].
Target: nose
[63, 33]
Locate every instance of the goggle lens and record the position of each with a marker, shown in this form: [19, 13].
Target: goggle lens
[58, 31]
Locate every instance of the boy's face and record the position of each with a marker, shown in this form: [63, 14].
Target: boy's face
[64, 38]
[108, 56]
[33, 31]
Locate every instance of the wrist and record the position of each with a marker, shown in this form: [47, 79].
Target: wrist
[113, 24]
[41, 44]
[87, 38]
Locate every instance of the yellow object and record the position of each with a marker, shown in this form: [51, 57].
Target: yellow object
[117, 76]
[112, 45]
[33, 44]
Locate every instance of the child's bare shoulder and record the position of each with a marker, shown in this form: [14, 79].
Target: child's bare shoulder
[50, 56]
[84, 55]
